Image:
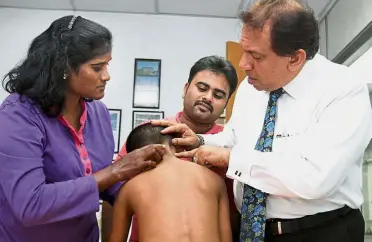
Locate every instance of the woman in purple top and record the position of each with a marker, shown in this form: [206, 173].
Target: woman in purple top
[56, 142]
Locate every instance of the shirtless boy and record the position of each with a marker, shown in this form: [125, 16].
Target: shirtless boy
[175, 202]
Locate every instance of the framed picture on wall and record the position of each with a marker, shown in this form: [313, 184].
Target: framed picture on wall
[140, 117]
[146, 87]
[115, 116]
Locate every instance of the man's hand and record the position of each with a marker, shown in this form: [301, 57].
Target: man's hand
[188, 140]
[207, 155]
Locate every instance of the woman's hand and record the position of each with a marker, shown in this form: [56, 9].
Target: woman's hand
[129, 166]
[137, 161]
[187, 139]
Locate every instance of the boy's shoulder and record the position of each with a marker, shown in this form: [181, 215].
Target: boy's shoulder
[176, 170]
[136, 182]
[205, 174]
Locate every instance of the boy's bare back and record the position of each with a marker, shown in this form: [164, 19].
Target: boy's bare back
[177, 201]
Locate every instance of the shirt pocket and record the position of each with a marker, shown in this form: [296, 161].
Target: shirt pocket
[291, 137]
[292, 130]
[290, 142]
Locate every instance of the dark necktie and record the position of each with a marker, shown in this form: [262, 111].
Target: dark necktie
[253, 220]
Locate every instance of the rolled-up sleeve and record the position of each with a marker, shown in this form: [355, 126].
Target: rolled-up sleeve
[22, 177]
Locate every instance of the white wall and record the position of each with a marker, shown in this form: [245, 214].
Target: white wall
[363, 64]
[323, 38]
[345, 21]
[177, 41]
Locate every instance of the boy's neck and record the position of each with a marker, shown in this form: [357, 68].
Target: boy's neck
[168, 155]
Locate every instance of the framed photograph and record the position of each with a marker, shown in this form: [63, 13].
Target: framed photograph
[140, 117]
[115, 116]
[146, 87]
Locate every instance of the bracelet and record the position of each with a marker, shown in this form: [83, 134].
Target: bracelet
[201, 140]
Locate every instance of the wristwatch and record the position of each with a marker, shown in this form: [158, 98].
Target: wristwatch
[201, 140]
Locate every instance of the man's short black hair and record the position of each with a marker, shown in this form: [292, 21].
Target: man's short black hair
[146, 134]
[217, 65]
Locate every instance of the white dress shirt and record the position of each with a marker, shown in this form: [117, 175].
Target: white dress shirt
[323, 126]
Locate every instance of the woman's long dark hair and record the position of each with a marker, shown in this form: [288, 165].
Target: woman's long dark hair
[51, 55]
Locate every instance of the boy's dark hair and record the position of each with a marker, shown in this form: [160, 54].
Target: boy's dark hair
[146, 134]
[217, 65]
[293, 25]
[64, 46]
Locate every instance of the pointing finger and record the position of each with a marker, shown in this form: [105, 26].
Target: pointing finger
[177, 128]
[186, 154]
[189, 141]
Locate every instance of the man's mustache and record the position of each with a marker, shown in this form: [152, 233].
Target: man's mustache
[206, 104]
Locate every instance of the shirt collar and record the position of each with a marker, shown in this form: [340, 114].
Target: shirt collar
[300, 85]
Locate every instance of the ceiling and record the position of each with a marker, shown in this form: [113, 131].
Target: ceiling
[206, 8]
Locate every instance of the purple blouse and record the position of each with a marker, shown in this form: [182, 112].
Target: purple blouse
[47, 192]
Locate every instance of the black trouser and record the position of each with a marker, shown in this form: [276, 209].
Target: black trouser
[345, 227]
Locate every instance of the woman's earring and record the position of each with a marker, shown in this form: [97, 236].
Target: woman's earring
[64, 76]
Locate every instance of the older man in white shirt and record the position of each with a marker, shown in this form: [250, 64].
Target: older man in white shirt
[297, 135]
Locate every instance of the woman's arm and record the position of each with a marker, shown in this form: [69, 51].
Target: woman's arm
[110, 194]
[22, 177]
